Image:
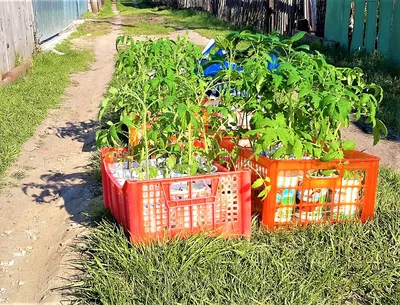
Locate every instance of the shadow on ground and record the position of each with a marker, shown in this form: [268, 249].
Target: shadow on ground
[70, 191]
[82, 132]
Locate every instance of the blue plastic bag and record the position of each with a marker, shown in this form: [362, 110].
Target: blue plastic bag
[212, 70]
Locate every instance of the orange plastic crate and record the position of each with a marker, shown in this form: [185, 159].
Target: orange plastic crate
[298, 198]
[150, 209]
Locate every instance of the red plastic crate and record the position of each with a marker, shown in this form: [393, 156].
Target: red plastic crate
[148, 210]
[298, 198]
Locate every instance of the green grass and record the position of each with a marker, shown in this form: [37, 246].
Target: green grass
[212, 33]
[202, 22]
[338, 264]
[105, 11]
[19, 175]
[24, 104]
[198, 21]
[92, 28]
[145, 28]
[126, 8]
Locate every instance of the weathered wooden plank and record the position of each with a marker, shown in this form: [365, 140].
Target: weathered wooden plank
[333, 23]
[345, 21]
[394, 49]
[4, 55]
[371, 26]
[358, 32]
[385, 25]
[16, 32]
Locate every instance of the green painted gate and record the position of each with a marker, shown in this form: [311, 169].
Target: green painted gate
[375, 25]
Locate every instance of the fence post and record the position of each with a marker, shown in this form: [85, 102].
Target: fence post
[394, 53]
[345, 22]
[370, 30]
[358, 32]
[333, 22]
[385, 24]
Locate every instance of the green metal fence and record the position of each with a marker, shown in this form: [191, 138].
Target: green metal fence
[367, 24]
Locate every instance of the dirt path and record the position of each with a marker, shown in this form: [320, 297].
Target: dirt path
[387, 150]
[41, 215]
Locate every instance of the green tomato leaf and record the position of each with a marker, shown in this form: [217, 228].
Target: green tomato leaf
[377, 135]
[171, 162]
[259, 182]
[277, 80]
[297, 37]
[335, 145]
[181, 110]
[113, 90]
[262, 194]
[382, 127]
[298, 150]
[103, 107]
[260, 82]
[348, 145]
[293, 78]
[127, 121]
[114, 138]
[329, 156]
[303, 47]
[279, 153]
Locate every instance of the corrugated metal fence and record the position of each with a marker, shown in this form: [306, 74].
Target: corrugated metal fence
[370, 24]
[16, 32]
[52, 16]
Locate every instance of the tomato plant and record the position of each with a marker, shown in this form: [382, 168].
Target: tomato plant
[297, 109]
[162, 103]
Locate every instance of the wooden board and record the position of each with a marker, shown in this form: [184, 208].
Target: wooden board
[345, 20]
[358, 33]
[333, 23]
[394, 49]
[16, 32]
[371, 26]
[385, 26]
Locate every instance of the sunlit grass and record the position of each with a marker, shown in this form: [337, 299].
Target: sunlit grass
[24, 104]
[204, 23]
[348, 263]
[146, 28]
[105, 11]
[92, 28]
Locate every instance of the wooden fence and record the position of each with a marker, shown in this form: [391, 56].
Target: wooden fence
[367, 24]
[16, 32]
[264, 15]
